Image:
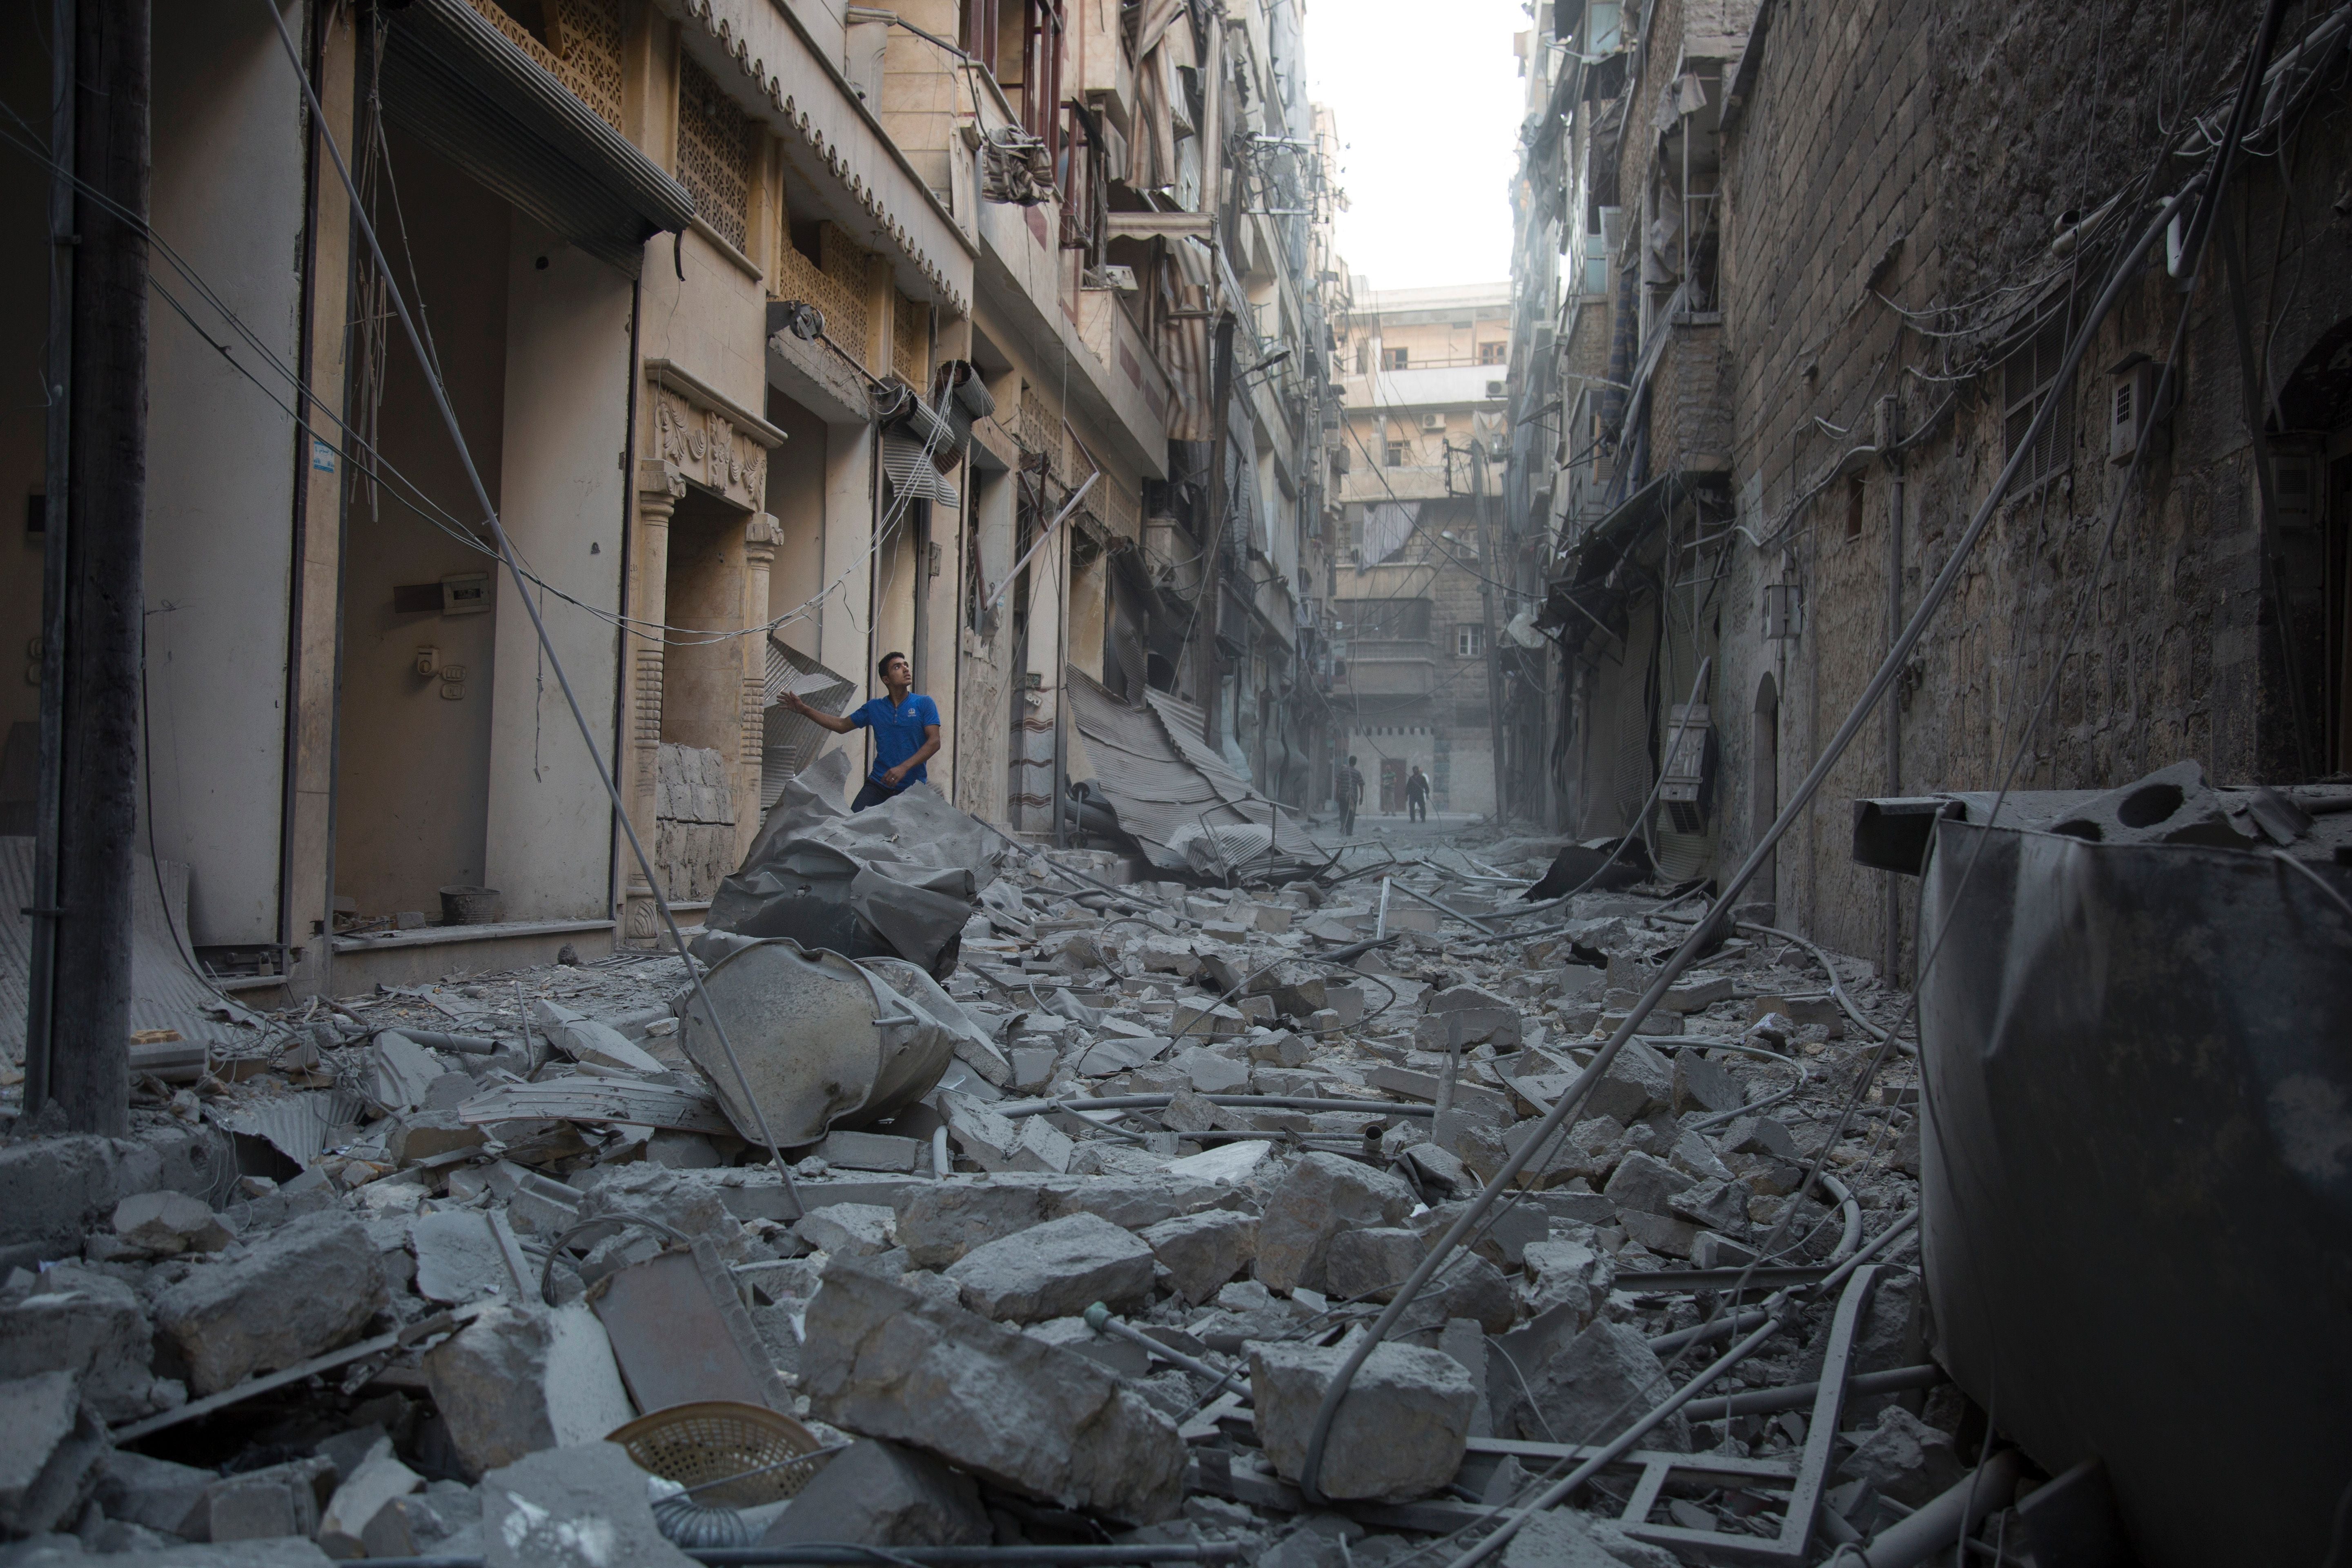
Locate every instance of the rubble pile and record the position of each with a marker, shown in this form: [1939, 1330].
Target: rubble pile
[421, 1274]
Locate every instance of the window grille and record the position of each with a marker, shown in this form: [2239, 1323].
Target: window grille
[714, 153]
[577, 42]
[2028, 379]
[1493, 354]
[911, 336]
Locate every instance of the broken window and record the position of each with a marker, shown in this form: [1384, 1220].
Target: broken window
[2029, 376]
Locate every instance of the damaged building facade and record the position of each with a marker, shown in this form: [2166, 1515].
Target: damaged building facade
[780, 337]
[1774, 357]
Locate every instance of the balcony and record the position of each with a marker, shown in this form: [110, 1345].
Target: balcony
[1690, 401]
[1412, 481]
[1428, 387]
[1388, 667]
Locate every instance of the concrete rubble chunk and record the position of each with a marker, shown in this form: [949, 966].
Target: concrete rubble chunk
[686, 1200]
[575, 1507]
[405, 1071]
[859, 1230]
[1563, 1272]
[155, 1494]
[1055, 1270]
[50, 1451]
[883, 1361]
[1703, 1085]
[1399, 1431]
[521, 1378]
[167, 1224]
[374, 1482]
[2171, 805]
[304, 1288]
[1211, 1073]
[1639, 1080]
[1695, 1157]
[93, 1325]
[264, 1504]
[882, 1494]
[1645, 1182]
[585, 1039]
[1904, 1458]
[945, 1220]
[1203, 1251]
[1759, 1135]
[464, 1255]
[1580, 1386]
[1368, 1264]
[1718, 1205]
[1556, 1538]
[1319, 1197]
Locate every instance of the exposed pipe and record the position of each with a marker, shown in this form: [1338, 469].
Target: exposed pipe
[1940, 1522]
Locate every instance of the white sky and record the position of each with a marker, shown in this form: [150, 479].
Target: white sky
[1428, 99]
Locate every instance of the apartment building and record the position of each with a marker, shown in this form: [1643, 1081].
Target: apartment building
[780, 334]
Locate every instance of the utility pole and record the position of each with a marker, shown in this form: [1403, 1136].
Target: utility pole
[1207, 677]
[101, 535]
[1488, 563]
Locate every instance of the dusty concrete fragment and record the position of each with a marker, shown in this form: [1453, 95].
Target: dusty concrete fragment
[880, 1494]
[1040, 1146]
[155, 1494]
[1759, 1135]
[1639, 1080]
[1203, 1251]
[1582, 1385]
[1134, 1202]
[403, 1071]
[1645, 1182]
[852, 1150]
[885, 1361]
[1200, 1019]
[463, 1254]
[580, 1507]
[302, 1289]
[1399, 1433]
[1468, 1286]
[55, 1190]
[1212, 1072]
[1577, 1275]
[979, 1133]
[267, 1504]
[422, 1135]
[1714, 1205]
[522, 1378]
[1168, 956]
[50, 1451]
[91, 1324]
[1229, 1164]
[1669, 1238]
[860, 1230]
[687, 1202]
[1055, 1270]
[1695, 1157]
[168, 1223]
[947, 1219]
[1320, 1196]
[1556, 1538]
[1904, 1458]
[1704, 1085]
[1368, 1264]
[2171, 805]
[376, 1480]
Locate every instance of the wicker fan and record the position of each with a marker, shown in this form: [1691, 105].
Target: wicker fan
[772, 1456]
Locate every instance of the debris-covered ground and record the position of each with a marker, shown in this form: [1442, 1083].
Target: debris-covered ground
[386, 1281]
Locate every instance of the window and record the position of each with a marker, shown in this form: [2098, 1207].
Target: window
[2028, 378]
[1853, 498]
[1470, 641]
[1394, 358]
[1396, 454]
[1493, 354]
[1383, 620]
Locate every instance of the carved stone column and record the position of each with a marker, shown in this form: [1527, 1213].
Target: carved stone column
[659, 488]
[761, 537]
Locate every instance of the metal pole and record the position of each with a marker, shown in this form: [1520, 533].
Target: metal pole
[1486, 560]
[57, 522]
[97, 820]
[1205, 656]
[1891, 434]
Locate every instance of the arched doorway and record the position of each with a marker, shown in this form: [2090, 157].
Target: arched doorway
[2312, 471]
[1764, 787]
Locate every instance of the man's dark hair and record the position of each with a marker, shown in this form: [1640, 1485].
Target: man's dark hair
[1351, 759]
[883, 668]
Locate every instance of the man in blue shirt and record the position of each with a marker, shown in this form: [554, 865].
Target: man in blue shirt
[906, 731]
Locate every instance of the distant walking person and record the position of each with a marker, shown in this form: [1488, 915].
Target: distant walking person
[1416, 794]
[1349, 787]
[906, 728]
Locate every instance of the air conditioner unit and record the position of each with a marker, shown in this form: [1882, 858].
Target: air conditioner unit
[1689, 764]
[1110, 278]
[1432, 421]
[1493, 389]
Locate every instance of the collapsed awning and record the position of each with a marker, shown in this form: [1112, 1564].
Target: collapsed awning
[453, 80]
[1181, 803]
[911, 473]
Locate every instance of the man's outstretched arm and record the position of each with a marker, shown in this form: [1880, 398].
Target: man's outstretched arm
[838, 726]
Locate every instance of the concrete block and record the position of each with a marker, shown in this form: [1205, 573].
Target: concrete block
[1580, 1384]
[1695, 992]
[1039, 1145]
[1368, 1264]
[881, 1494]
[857, 1230]
[1570, 1274]
[464, 1255]
[853, 1150]
[580, 1507]
[945, 1220]
[166, 1224]
[1203, 1251]
[51, 1448]
[1204, 1019]
[1211, 1073]
[1638, 1081]
[155, 1494]
[1320, 1196]
[77, 1320]
[422, 1135]
[1703, 1085]
[1055, 1270]
[885, 1361]
[264, 1504]
[1645, 1182]
[1669, 1237]
[1904, 1458]
[304, 1288]
[521, 1378]
[1399, 1434]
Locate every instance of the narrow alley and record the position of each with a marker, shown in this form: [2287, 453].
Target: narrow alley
[1554, 782]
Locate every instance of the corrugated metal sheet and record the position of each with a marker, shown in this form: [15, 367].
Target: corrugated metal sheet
[1168, 788]
[164, 994]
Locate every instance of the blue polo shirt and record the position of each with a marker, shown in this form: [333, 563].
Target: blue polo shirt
[897, 732]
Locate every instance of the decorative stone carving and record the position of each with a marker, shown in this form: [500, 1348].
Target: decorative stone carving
[707, 438]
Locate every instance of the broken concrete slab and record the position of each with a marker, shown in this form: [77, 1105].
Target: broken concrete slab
[679, 1331]
[464, 1255]
[268, 1504]
[374, 1482]
[87, 1322]
[403, 1071]
[574, 1507]
[858, 1230]
[1203, 1251]
[166, 1224]
[521, 1378]
[944, 1220]
[1212, 1072]
[1399, 1433]
[1231, 1164]
[885, 1361]
[1904, 1458]
[882, 1494]
[155, 1494]
[1055, 1270]
[1645, 1182]
[1317, 1198]
[303, 1289]
[50, 1451]
[1563, 1272]
[1639, 1080]
[1704, 1085]
[1370, 1263]
[1606, 1373]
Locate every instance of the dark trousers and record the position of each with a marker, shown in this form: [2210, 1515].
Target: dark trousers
[1347, 815]
[874, 794]
[1419, 807]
